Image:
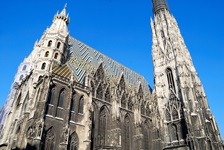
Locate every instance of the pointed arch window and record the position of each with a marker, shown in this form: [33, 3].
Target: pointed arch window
[130, 105]
[123, 101]
[49, 43]
[146, 137]
[147, 111]
[49, 142]
[59, 44]
[73, 142]
[43, 66]
[51, 95]
[24, 67]
[168, 116]
[21, 77]
[173, 131]
[143, 109]
[81, 103]
[127, 133]
[175, 114]
[107, 95]
[61, 98]
[99, 92]
[102, 127]
[46, 54]
[170, 79]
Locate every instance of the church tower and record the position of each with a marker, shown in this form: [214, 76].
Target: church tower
[52, 48]
[187, 120]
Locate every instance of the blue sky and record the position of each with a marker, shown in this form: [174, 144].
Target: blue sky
[121, 30]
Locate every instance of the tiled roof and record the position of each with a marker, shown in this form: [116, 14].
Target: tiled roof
[84, 59]
[62, 71]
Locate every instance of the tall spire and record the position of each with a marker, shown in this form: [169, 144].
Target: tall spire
[63, 16]
[159, 5]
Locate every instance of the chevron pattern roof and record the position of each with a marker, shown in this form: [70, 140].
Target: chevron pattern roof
[84, 59]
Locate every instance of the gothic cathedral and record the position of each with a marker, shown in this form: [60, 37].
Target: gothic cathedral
[68, 96]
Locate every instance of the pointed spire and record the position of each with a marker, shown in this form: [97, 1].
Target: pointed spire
[159, 5]
[62, 15]
[63, 12]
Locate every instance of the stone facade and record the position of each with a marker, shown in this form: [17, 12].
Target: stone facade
[74, 97]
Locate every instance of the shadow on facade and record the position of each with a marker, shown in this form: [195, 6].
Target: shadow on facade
[28, 147]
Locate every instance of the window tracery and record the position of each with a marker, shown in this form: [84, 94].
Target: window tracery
[102, 127]
[130, 104]
[49, 140]
[168, 116]
[99, 92]
[61, 98]
[142, 109]
[170, 79]
[51, 95]
[73, 142]
[99, 75]
[123, 101]
[146, 136]
[107, 95]
[175, 114]
[127, 133]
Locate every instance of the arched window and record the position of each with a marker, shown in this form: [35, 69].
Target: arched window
[46, 54]
[51, 95]
[173, 132]
[73, 102]
[107, 95]
[73, 142]
[43, 66]
[130, 105]
[102, 127]
[147, 111]
[143, 109]
[146, 137]
[168, 116]
[56, 56]
[21, 77]
[123, 101]
[61, 98]
[24, 67]
[127, 134]
[175, 114]
[81, 103]
[49, 140]
[49, 43]
[58, 45]
[99, 92]
[170, 79]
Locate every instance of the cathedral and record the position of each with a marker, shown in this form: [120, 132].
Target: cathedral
[68, 96]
